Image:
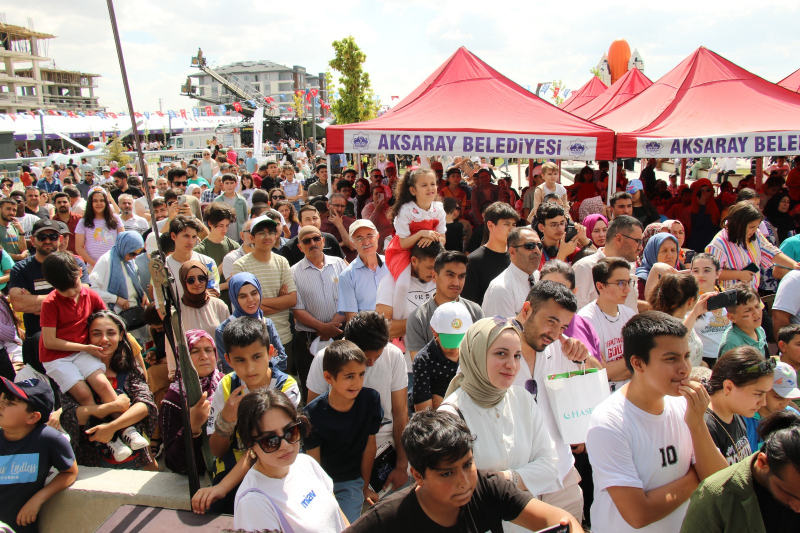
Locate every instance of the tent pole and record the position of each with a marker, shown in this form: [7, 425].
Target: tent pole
[683, 170]
[559, 170]
[519, 174]
[759, 171]
[612, 182]
[330, 178]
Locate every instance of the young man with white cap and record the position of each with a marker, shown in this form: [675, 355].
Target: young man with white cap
[436, 364]
[784, 390]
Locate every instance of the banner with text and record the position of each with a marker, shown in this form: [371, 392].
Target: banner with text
[471, 144]
[739, 145]
[258, 131]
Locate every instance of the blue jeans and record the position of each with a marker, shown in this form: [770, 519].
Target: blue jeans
[350, 496]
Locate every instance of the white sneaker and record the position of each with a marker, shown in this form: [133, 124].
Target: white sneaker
[134, 439]
[120, 450]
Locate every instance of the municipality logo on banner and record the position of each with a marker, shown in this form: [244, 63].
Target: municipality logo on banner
[577, 148]
[652, 147]
[360, 141]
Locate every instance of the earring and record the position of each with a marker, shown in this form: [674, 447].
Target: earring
[252, 454]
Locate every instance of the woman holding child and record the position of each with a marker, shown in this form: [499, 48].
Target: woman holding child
[134, 406]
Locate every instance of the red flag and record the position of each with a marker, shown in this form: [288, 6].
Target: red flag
[112, 115]
[52, 112]
[395, 98]
[209, 112]
[137, 114]
[237, 106]
[71, 114]
[183, 113]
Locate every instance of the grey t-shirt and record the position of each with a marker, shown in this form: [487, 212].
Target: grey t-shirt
[233, 229]
[418, 326]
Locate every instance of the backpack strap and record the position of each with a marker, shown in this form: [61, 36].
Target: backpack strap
[284, 524]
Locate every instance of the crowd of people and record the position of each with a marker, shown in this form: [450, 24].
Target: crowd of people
[373, 346]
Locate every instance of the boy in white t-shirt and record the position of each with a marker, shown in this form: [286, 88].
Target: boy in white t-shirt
[608, 314]
[550, 186]
[649, 448]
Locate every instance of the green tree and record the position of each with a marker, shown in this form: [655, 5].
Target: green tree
[557, 87]
[595, 71]
[356, 102]
[114, 151]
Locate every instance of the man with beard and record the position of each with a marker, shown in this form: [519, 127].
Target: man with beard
[545, 315]
[12, 236]
[88, 182]
[507, 292]
[624, 239]
[32, 206]
[65, 215]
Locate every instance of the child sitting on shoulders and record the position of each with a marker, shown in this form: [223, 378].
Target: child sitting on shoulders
[63, 346]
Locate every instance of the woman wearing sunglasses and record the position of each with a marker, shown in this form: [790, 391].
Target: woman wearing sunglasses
[512, 439]
[284, 490]
[738, 387]
[198, 309]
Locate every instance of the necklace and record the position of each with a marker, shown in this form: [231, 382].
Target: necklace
[608, 317]
[722, 425]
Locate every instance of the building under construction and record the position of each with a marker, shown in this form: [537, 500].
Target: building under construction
[25, 85]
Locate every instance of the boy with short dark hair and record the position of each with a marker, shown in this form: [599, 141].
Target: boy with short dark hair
[63, 346]
[236, 202]
[28, 448]
[745, 316]
[220, 218]
[454, 236]
[450, 493]
[248, 351]
[344, 423]
[648, 447]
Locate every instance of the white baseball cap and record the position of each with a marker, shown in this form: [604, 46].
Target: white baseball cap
[784, 382]
[451, 321]
[361, 223]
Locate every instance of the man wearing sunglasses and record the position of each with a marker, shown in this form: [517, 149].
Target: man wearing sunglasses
[317, 280]
[177, 179]
[309, 216]
[624, 239]
[507, 292]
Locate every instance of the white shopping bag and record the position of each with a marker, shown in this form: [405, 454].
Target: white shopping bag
[573, 399]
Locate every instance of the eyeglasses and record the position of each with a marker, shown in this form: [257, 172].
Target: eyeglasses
[129, 168]
[180, 183]
[309, 240]
[763, 367]
[199, 279]
[264, 234]
[367, 237]
[343, 206]
[502, 321]
[556, 225]
[47, 237]
[621, 284]
[530, 245]
[271, 443]
[637, 241]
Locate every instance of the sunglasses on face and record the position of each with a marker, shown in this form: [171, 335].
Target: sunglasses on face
[276, 197]
[199, 279]
[47, 237]
[180, 183]
[309, 240]
[530, 245]
[271, 443]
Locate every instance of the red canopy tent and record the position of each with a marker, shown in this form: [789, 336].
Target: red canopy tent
[707, 107]
[467, 108]
[792, 81]
[592, 88]
[629, 85]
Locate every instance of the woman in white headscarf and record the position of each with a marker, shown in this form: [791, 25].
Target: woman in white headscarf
[512, 438]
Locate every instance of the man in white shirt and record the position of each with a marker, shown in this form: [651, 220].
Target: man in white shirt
[608, 314]
[130, 220]
[545, 315]
[508, 291]
[649, 448]
[624, 239]
[385, 373]
[420, 290]
[243, 250]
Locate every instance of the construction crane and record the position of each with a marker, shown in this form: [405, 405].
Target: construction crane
[239, 89]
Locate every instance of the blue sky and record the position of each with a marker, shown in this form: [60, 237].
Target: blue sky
[405, 40]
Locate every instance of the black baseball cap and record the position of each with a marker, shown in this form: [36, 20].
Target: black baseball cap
[63, 229]
[35, 393]
[45, 224]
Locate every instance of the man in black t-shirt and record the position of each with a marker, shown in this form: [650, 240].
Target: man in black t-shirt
[491, 259]
[309, 216]
[450, 493]
[122, 187]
